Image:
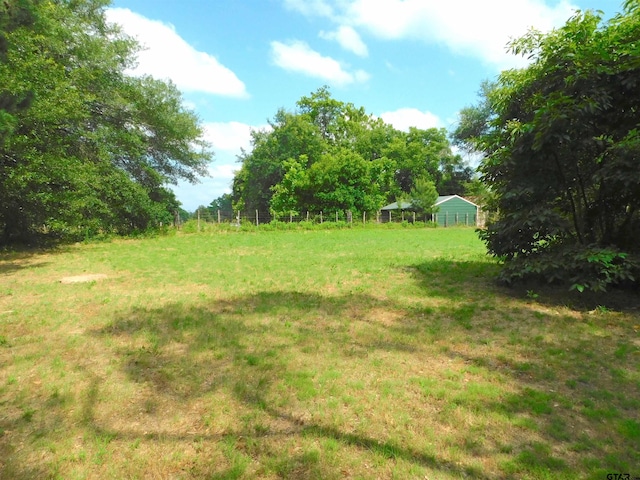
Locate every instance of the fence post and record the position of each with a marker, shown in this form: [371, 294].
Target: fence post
[290, 217]
[218, 215]
[466, 219]
[389, 216]
[307, 215]
[364, 218]
[456, 219]
[336, 216]
[320, 216]
[378, 216]
[257, 220]
[414, 217]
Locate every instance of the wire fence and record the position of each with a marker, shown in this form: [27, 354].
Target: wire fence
[257, 218]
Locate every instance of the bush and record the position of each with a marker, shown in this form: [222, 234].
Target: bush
[581, 268]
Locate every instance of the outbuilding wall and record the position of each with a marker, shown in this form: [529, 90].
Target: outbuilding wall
[456, 211]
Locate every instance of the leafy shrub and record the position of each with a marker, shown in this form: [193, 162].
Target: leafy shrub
[580, 267]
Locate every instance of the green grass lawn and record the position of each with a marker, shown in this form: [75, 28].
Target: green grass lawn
[356, 353]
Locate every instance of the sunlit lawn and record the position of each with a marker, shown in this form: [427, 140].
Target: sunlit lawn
[356, 353]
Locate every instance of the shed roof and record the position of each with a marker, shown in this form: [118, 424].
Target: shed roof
[395, 206]
[440, 200]
[444, 198]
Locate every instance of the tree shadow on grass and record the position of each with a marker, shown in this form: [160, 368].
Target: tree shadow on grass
[616, 299]
[575, 363]
[9, 266]
[556, 396]
[456, 279]
[255, 348]
[23, 258]
[14, 470]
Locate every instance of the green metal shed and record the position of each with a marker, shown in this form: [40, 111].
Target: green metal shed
[455, 210]
[452, 210]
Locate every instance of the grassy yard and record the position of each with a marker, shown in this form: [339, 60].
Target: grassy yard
[364, 353]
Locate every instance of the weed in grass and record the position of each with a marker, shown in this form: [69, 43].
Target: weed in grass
[617, 373]
[101, 443]
[474, 445]
[57, 398]
[582, 444]
[624, 349]
[559, 430]
[534, 401]
[571, 383]
[616, 464]
[538, 459]
[253, 360]
[464, 314]
[602, 394]
[630, 430]
[389, 388]
[601, 309]
[28, 413]
[302, 383]
[150, 406]
[476, 395]
[238, 461]
[305, 465]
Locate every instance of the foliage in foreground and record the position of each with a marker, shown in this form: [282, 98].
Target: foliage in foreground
[84, 148]
[562, 145]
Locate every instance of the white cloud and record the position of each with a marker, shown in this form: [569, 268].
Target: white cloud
[229, 136]
[473, 28]
[348, 39]
[320, 8]
[210, 188]
[169, 56]
[404, 118]
[223, 173]
[227, 140]
[297, 56]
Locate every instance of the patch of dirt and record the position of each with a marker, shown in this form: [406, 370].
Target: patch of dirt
[90, 277]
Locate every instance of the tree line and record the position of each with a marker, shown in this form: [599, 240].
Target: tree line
[84, 147]
[331, 156]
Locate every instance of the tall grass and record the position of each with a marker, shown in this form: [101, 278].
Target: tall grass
[363, 353]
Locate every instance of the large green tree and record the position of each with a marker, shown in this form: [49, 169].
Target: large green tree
[288, 137]
[83, 146]
[223, 203]
[423, 196]
[563, 153]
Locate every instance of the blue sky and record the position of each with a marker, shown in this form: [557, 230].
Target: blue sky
[411, 62]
